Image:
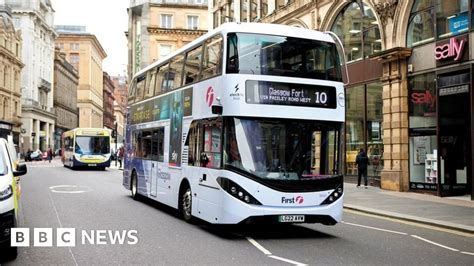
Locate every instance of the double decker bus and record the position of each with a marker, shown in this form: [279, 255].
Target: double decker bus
[242, 125]
[86, 147]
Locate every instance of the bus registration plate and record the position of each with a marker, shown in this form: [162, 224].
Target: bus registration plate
[291, 218]
[92, 164]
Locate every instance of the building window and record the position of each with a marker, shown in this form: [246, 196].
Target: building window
[166, 21]
[165, 49]
[193, 22]
[74, 60]
[216, 18]
[364, 126]
[244, 8]
[359, 31]
[74, 46]
[254, 16]
[264, 8]
[452, 17]
[430, 19]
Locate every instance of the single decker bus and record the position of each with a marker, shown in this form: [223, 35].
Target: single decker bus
[86, 147]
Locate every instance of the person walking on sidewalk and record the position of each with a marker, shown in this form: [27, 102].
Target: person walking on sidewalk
[120, 156]
[362, 161]
[49, 155]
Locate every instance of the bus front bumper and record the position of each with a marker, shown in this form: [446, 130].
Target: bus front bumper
[243, 213]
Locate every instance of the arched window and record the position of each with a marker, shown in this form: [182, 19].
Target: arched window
[358, 30]
[431, 19]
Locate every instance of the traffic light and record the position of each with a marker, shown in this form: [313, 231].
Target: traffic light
[114, 133]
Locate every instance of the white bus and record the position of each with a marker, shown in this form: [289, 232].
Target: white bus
[86, 147]
[242, 125]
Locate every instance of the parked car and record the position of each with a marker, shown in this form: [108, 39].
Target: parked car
[10, 171]
[36, 156]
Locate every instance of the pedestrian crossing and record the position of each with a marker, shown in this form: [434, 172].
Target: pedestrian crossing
[44, 164]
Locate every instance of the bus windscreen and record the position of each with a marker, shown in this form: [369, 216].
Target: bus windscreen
[92, 145]
[258, 54]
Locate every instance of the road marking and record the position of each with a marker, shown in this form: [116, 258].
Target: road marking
[434, 243]
[258, 246]
[286, 260]
[269, 254]
[61, 225]
[376, 228]
[467, 253]
[417, 224]
[55, 189]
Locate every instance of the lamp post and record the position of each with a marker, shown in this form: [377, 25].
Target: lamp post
[116, 140]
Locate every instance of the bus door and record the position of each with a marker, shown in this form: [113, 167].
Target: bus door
[154, 179]
[210, 162]
[160, 176]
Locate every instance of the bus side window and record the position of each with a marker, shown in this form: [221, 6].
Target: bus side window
[192, 66]
[136, 144]
[140, 88]
[212, 57]
[131, 93]
[162, 79]
[157, 152]
[145, 143]
[150, 83]
[175, 73]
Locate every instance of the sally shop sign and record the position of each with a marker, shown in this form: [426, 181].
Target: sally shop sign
[451, 51]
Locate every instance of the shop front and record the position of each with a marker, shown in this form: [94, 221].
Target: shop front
[5, 129]
[440, 120]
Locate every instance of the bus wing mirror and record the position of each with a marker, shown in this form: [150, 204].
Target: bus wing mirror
[217, 109]
[20, 170]
[204, 159]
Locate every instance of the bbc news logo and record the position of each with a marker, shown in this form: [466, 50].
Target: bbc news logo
[66, 237]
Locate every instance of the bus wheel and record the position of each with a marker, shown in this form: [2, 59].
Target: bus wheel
[134, 187]
[186, 204]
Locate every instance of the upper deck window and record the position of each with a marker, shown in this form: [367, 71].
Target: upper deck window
[258, 54]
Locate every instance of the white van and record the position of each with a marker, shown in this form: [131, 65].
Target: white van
[10, 171]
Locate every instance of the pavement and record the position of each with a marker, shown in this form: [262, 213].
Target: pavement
[455, 213]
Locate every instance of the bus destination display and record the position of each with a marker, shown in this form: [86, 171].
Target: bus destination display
[279, 93]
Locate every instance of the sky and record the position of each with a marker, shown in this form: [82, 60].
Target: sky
[106, 19]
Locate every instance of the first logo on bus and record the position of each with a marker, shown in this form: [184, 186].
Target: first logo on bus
[210, 96]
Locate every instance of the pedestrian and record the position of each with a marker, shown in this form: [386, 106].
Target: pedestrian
[120, 154]
[50, 154]
[28, 155]
[362, 161]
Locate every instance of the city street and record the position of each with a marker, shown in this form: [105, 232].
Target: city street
[57, 197]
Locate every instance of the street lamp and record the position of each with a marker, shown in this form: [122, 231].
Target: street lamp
[115, 135]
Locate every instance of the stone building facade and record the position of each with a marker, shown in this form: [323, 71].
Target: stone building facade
[86, 54]
[35, 20]
[120, 105]
[409, 99]
[158, 27]
[10, 71]
[66, 81]
[109, 99]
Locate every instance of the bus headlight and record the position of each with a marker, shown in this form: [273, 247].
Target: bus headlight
[336, 194]
[6, 193]
[237, 191]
